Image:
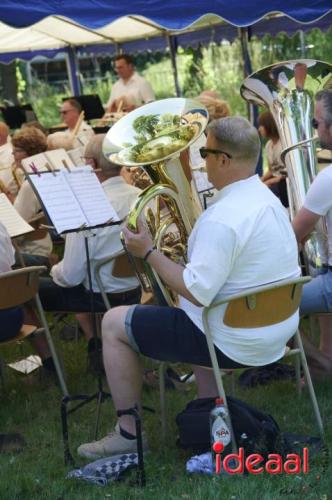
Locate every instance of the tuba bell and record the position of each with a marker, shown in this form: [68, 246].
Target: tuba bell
[287, 89]
[152, 138]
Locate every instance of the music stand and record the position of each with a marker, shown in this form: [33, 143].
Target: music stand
[15, 116]
[75, 192]
[91, 105]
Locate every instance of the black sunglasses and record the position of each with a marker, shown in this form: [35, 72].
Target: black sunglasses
[315, 123]
[205, 151]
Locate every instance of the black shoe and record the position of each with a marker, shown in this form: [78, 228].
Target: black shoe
[11, 443]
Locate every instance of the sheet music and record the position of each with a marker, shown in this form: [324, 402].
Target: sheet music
[74, 198]
[38, 161]
[11, 219]
[57, 197]
[76, 156]
[91, 196]
[196, 161]
[201, 181]
[59, 159]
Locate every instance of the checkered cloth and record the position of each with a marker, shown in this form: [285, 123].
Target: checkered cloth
[104, 470]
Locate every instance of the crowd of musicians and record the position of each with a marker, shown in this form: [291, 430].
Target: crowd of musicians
[243, 239]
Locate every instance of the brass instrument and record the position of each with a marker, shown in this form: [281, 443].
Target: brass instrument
[169, 188]
[287, 89]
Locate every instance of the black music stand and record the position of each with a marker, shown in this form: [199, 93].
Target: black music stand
[91, 105]
[100, 395]
[15, 116]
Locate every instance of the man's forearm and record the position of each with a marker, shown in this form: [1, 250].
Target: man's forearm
[171, 273]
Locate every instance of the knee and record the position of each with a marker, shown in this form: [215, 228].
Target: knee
[113, 324]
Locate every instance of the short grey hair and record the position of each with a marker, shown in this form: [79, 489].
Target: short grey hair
[94, 149]
[237, 137]
[325, 96]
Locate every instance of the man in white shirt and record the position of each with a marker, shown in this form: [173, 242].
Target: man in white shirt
[70, 112]
[68, 289]
[131, 90]
[317, 295]
[6, 156]
[234, 245]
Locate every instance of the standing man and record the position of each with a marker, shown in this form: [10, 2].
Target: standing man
[131, 90]
[317, 295]
[70, 113]
[234, 246]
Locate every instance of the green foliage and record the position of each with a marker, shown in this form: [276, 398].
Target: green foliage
[194, 72]
[217, 67]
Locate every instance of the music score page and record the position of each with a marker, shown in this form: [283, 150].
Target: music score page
[73, 199]
[11, 219]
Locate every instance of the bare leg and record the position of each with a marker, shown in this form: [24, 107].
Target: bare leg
[325, 325]
[122, 365]
[85, 321]
[205, 381]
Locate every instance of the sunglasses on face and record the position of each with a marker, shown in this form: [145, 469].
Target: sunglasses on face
[205, 151]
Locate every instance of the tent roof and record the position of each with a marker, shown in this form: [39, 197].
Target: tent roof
[92, 25]
[171, 15]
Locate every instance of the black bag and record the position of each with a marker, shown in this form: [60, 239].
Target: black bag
[254, 430]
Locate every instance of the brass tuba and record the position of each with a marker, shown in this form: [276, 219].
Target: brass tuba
[287, 89]
[170, 188]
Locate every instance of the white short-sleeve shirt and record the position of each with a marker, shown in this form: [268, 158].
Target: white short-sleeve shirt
[319, 201]
[72, 270]
[243, 240]
[137, 90]
[7, 254]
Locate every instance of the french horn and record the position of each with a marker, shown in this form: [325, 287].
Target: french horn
[287, 89]
[170, 188]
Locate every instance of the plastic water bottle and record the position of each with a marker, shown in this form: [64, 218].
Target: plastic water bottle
[220, 434]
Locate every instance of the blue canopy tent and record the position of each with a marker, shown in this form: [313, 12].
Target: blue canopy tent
[170, 15]
[99, 26]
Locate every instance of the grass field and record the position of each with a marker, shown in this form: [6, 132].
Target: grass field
[32, 407]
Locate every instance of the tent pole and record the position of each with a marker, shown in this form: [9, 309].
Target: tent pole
[73, 71]
[171, 40]
[244, 36]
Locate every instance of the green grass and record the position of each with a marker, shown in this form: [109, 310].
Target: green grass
[39, 471]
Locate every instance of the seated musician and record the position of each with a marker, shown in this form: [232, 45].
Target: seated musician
[28, 142]
[234, 245]
[79, 131]
[7, 183]
[11, 319]
[317, 295]
[68, 288]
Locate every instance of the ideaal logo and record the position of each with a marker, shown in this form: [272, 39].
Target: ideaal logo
[237, 463]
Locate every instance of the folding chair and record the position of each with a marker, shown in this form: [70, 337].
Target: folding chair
[18, 287]
[258, 307]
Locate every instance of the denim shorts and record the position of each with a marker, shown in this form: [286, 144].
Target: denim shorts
[317, 295]
[168, 334]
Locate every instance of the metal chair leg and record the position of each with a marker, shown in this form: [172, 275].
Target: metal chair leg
[310, 384]
[49, 339]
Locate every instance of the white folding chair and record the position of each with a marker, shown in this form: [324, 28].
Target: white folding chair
[258, 307]
[18, 287]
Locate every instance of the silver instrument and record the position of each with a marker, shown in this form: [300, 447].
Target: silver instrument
[287, 89]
